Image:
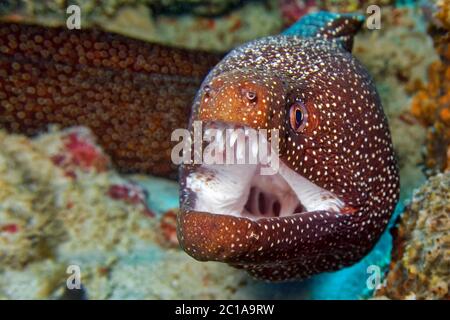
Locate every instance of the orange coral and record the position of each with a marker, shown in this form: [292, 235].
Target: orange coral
[431, 104]
[420, 259]
[443, 14]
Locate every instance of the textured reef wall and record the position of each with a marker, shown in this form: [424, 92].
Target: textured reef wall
[61, 204]
[398, 65]
[420, 267]
[143, 20]
[94, 8]
[431, 104]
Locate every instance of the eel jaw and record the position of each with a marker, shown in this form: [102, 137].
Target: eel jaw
[230, 213]
[241, 191]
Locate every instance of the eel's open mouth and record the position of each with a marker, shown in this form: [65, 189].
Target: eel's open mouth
[273, 225]
[245, 190]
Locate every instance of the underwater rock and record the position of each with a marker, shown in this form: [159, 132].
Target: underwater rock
[58, 208]
[28, 229]
[431, 104]
[110, 8]
[420, 267]
[252, 20]
[398, 64]
[47, 198]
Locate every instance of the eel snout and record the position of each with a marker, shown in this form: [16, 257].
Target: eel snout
[243, 97]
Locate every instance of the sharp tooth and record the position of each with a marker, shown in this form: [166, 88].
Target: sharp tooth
[220, 144]
[233, 137]
[240, 151]
[255, 150]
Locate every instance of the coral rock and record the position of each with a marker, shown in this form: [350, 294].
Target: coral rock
[431, 104]
[420, 268]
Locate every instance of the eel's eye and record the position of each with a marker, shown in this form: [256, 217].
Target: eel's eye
[298, 116]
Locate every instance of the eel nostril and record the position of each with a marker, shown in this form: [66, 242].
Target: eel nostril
[207, 91]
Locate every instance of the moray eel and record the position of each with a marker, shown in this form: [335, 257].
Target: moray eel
[337, 183]
[130, 93]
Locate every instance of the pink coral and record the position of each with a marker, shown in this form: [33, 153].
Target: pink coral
[80, 152]
[130, 193]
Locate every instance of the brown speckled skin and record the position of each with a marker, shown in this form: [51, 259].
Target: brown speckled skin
[345, 148]
[132, 94]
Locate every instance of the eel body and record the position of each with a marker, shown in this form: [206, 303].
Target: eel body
[130, 93]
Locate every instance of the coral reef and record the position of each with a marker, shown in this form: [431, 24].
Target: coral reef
[443, 13]
[135, 19]
[56, 191]
[137, 257]
[109, 8]
[61, 204]
[420, 267]
[431, 104]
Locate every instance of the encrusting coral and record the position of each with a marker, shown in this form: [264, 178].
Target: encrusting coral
[62, 204]
[398, 66]
[420, 268]
[431, 104]
[93, 7]
[55, 191]
[142, 20]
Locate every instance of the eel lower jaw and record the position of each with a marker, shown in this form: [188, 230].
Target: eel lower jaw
[228, 212]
